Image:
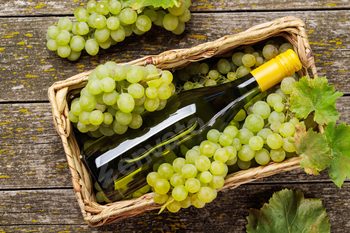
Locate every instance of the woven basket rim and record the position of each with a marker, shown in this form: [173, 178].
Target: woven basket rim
[291, 28]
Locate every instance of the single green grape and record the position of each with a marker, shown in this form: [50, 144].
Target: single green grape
[244, 165]
[225, 139]
[161, 186]
[166, 171]
[207, 148]
[221, 155]
[177, 180]
[185, 203]
[64, 51]
[178, 164]
[205, 194]
[244, 135]
[192, 185]
[278, 155]
[179, 193]
[160, 198]
[256, 143]
[246, 153]
[202, 163]
[231, 130]
[191, 156]
[189, 171]
[217, 167]
[196, 202]
[274, 141]
[241, 115]
[217, 182]
[262, 156]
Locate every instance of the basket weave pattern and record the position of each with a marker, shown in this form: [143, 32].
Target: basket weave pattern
[94, 214]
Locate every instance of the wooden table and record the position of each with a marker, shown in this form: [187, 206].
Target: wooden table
[35, 184]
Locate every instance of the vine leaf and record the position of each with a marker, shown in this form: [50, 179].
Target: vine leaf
[139, 4]
[338, 142]
[289, 211]
[312, 146]
[315, 96]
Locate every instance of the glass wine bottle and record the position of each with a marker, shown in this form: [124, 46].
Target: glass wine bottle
[120, 163]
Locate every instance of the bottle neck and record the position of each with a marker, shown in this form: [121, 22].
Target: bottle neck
[268, 75]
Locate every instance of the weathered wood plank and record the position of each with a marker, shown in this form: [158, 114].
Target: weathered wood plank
[33, 157]
[31, 153]
[64, 228]
[42, 7]
[27, 68]
[240, 5]
[343, 106]
[54, 7]
[45, 209]
[39, 207]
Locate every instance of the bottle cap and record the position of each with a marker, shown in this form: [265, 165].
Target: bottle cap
[273, 71]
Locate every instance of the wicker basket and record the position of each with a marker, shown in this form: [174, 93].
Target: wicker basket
[94, 214]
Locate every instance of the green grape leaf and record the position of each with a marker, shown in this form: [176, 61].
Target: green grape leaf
[139, 4]
[312, 146]
[289, 211]
[315, 95]
[339, 144]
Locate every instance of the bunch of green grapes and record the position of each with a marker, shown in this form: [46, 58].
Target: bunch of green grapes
[116, 95]
[267, 128]
[106, 23]
[200, 74]
[258, 135]
[194, 180]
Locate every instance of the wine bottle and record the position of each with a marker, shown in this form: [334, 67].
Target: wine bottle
[120, 163]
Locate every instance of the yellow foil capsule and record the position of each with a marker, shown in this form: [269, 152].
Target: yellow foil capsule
[273, 71]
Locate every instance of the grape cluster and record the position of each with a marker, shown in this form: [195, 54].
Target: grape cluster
[260, 133]
[116, 95]
[193, 180]
[263, 136]
[209, 73]
[267, 131]
[107, 22]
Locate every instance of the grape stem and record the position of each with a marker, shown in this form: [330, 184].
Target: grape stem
[153, 77]
[170, 200]
[179, 88]
[220, 77]
[287, 105]
[321, 128]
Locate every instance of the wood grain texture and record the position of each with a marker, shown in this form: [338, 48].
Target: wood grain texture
[45, 209]
[40, 207]
[252, 5]
[63, 228]
[27, 68]
[33, 156]
[31, 153]
[40, 7]
[67, 7]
